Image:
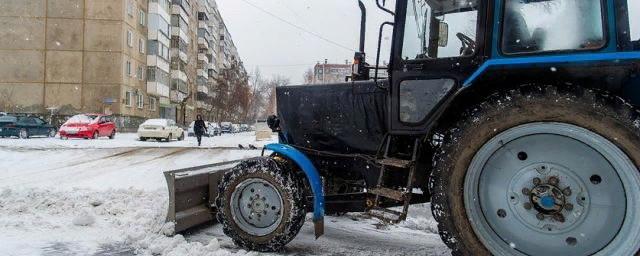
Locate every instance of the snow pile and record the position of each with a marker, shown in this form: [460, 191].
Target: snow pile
[132, 219]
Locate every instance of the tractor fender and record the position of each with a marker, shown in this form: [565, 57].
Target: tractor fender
[313, 176]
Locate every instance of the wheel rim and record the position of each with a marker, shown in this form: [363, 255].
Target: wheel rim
[553, 188]
[256, 207]
[23, 134]
[52, 133]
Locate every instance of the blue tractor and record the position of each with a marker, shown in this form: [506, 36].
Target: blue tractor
[516, 119]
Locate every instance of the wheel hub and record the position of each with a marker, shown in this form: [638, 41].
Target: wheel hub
[257, 207]
[546, 202]
[548, 199]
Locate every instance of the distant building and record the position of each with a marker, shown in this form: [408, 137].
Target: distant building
[134, 59]
[325, 73]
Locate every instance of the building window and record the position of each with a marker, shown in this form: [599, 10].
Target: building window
[130, 7]
[140, 73]
[128, 68]
[129, 38]
[128, 98]
[140, 101]
[141, 45]
[142, 17]
[152, 104]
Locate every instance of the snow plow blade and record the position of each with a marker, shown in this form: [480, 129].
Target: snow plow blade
[192, 194]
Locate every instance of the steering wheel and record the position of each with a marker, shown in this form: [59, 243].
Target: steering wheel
[468, 45]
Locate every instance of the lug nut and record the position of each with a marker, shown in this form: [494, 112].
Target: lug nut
[553, 180]
[558, 217]
[527, 206]
[536, 181]
[540, 216]
[526, 191]
[567, 191]
[569, 207]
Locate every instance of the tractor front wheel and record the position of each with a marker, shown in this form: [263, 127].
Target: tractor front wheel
[540, 170]
[261, 205]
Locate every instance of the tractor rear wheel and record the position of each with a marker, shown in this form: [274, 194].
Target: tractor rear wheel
[261, 205]
[540, 170]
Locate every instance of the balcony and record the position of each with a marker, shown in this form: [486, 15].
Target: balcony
[155, 60]
[158, 89]
[181, 7]
[203, 43]
[203, 89]
[178, 74]
[202, 72]
[176, 31]
[176, 96]
[203, 58]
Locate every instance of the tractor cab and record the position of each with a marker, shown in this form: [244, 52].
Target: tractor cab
[444, 47]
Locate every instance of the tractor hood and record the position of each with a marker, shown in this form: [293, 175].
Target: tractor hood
[340, 118]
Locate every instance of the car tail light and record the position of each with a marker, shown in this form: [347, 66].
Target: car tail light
[11, 126]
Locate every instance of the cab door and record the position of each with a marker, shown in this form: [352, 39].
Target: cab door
[437, 45]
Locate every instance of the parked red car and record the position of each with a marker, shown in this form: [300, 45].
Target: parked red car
[88, 126]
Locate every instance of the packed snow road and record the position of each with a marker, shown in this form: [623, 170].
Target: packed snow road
[108, 197]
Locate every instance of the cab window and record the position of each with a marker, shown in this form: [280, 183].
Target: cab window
[440, 29]
[552, 25]
[634, 22]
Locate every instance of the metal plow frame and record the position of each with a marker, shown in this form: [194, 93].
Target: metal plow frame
[192, 194]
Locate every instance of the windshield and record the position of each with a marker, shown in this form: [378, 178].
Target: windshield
[8, 119]
[82, 119]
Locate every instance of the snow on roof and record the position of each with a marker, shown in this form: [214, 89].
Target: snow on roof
[161, 122]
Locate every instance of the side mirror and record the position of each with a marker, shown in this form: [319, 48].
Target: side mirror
[443, 34]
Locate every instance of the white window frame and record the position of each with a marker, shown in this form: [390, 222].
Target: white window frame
[141, 46]
[152, 104]
[128, 98]
[140, 101]
[140, 73]
[128, 68]
[142, 18]
[129, 38]
[130, 8]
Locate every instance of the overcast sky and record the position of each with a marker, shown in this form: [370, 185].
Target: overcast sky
[276, 47]
[279, 48]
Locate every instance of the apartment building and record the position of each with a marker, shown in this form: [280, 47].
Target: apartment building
[134, 59]
[72, 56]
[158, 58]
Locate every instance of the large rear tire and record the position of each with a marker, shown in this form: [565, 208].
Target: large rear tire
[261, 205]
[540, 170]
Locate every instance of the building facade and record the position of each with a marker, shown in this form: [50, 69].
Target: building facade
[134, 59]
[325, 73]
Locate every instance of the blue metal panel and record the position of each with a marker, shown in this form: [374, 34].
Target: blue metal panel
[314, 180]
[551, 60]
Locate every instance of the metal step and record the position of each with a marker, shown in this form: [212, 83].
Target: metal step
[395, 162]
[388, 193]
[387, 215]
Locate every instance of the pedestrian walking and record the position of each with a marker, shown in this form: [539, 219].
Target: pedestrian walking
[200, 127]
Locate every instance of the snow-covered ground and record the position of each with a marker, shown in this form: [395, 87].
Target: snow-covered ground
[108, 197]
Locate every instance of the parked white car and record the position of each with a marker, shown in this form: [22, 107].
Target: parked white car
[160, 129]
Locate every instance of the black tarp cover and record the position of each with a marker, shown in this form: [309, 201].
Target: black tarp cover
[340, 118]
